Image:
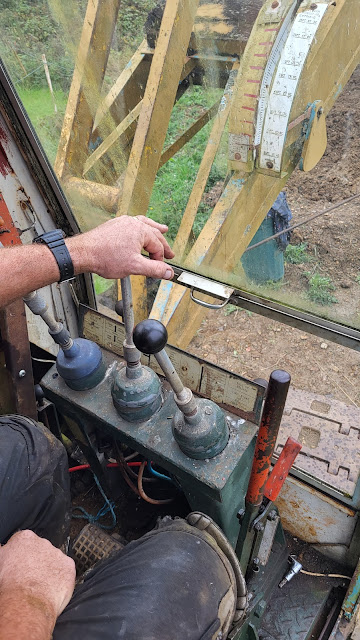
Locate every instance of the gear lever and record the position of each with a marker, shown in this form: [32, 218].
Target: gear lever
[199, 425]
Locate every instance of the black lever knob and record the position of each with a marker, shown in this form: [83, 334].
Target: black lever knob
[150, 336]
[119, 308]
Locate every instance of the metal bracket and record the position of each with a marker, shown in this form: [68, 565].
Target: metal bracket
[210, 287]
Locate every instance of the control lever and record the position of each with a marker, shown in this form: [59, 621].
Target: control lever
[199, 425]
[265, 445]
[136, 390]
[79, 361]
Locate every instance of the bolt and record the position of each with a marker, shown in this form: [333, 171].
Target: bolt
[255, 565]
[240, 514]
[313, 6]
[269, 164]
[55, 375]
[208, 411]
[237, 156]
[275, 4]
[22, 373]
[272, 515]
[259, 526]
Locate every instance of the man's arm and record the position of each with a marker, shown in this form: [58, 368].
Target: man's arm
[112, 250]
[36, 583]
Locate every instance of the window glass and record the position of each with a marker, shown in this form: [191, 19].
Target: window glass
[81, 72]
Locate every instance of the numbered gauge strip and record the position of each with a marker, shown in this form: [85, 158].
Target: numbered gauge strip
[268, 78]
[272, 125]
[241, 133]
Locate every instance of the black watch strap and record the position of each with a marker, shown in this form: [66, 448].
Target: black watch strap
[55, 241]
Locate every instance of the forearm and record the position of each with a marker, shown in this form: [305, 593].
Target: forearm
[112, 250]
[24, 617]
[30, 267]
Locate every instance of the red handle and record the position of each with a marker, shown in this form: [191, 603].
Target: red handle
[281, 469]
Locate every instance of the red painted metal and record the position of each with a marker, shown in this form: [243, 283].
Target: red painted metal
[281, 469]
[13, 327]
[268, 431]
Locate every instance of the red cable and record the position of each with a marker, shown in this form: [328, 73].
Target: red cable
[111, 465]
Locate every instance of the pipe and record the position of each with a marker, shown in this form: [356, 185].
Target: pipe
[269, 428]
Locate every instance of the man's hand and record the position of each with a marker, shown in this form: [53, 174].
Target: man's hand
[113, 250]
[36, 583]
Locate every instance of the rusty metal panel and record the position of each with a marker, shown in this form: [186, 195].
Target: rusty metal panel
[16, 348]
[311, 516]
[30, 216]
[329, 432]
[6, 405]
[14, 335]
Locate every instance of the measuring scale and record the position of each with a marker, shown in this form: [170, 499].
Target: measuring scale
[269, 74]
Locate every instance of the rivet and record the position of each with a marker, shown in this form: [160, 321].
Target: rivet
[22, 373]
[269, 164]
[208, 411]
[275, 4]
[313, 6]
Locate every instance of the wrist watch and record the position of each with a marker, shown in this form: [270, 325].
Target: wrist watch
[55, 241]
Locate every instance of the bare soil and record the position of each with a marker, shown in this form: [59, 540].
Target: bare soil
[253, 345]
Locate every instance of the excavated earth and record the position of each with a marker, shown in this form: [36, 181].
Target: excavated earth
[252, 345]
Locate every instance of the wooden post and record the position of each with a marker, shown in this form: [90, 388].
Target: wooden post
[48, 79]
[84, 95]
[158, 101]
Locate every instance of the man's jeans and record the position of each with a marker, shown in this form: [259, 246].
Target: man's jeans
[171, 584]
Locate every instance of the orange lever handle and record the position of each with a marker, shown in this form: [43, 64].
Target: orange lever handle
[281, 469]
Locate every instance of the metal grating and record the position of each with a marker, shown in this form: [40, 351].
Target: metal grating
[91, 545]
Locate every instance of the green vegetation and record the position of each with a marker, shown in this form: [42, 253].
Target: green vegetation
[275, 285]
[30, 28]
[101, 284]
[42, 23]
[47, 124]
[230, 308]
[297, 253]
[175, 179]
[320, 288]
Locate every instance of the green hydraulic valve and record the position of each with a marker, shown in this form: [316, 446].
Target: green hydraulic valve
[199, 425]
[136, 390]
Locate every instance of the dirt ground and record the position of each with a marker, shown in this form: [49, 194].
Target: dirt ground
[253, 345]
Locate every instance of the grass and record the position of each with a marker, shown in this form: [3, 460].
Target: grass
[297, 253]
[230, 308]
[47, 124]
[175, 179]
[320, 289]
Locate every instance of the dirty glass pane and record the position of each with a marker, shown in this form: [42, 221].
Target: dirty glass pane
[98, 62]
